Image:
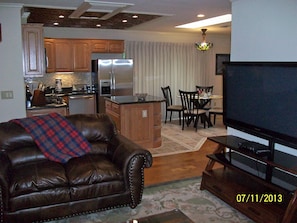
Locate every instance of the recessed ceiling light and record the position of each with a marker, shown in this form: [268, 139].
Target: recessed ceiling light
[124, 20]
[61, 16]
[207, 22]
[200, 15]
[135, 16]
[56, 23]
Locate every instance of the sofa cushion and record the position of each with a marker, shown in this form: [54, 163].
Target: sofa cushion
[94, 127]
[50, 196]
[25, 154]
[36, 177]
[92, 169]
[14, 136]
[93, 175]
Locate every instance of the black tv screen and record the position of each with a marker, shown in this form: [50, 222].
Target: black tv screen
[261, 98]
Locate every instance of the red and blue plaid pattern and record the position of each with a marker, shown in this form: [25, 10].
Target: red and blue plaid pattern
[56, 137]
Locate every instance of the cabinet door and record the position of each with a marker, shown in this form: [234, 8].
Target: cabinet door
[81, 55]
[99, 46]
[116, 46]
[50, 54]
[33, 50]
[64, 55]
[62, 111]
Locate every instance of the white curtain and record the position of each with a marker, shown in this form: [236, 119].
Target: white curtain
[158, 64]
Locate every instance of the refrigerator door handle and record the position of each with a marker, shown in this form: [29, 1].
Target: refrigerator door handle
[112, 87]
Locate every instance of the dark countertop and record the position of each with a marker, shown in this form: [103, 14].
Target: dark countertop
[69, 93]
[134, 100]
[48, 106]
[54, 105]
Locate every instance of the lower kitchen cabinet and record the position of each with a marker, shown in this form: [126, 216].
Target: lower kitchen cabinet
[139, 122]
[44, 111]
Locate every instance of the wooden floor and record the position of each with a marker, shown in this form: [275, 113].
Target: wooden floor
[179, 166]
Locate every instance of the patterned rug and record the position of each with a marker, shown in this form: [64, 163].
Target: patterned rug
[175, 140]
[200, 206]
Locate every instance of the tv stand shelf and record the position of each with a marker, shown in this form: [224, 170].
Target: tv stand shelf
[257, 198]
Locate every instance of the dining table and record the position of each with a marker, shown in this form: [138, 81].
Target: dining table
[203, 100]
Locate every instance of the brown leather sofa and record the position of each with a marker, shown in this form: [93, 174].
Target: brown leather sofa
[33, 188]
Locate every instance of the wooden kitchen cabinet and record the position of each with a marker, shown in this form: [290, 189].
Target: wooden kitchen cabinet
[63, 55]
[116, 46]
[81, 55]
[33, 50]
[107, 46]
[68, 55]
[74, 55]
[49, 46]
[45, 111]
[139, 122]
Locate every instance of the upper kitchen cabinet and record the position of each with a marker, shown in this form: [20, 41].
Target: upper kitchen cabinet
[81, 55]
[63, 55]
[67, 55]
[33, 50]
[107, 46]
[49, 46]
[116, 46]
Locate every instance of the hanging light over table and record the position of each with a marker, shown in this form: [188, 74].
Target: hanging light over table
[203, 46]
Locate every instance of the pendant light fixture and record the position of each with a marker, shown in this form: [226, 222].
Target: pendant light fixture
[203, 46]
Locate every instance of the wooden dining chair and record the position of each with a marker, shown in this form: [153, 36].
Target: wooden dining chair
[205, 90]
[215, 111]
[190, 110]
[169, 106]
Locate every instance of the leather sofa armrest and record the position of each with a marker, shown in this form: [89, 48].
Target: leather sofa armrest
[125, 149]
[4, 180]
[132, 159]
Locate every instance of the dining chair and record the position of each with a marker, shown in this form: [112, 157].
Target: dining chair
[215, 111]
[205, 90]
[190, 110]
[169, 106]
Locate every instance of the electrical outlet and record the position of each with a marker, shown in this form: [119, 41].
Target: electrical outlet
[144, 113]
[6, 94]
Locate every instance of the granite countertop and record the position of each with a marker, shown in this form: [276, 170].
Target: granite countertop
[48, 106]
[134, 100]
[69, 93]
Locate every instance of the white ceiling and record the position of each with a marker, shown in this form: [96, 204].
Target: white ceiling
[176, 12]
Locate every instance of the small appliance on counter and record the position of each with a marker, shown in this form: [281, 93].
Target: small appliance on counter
[58, 87]
[28, 96]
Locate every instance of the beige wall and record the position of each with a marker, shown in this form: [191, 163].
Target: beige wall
[11, 65]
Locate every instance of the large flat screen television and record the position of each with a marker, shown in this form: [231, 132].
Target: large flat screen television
[260, 98]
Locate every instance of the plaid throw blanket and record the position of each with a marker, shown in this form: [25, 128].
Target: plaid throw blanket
[56, 137]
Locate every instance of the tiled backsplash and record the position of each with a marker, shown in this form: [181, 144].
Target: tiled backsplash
[68, 79]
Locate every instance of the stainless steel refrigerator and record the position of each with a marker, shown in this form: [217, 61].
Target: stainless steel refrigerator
[113, 77]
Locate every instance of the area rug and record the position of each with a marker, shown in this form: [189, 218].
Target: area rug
[175, 140]
[200, 206]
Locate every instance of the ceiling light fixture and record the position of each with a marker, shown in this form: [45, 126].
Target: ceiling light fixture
[207, 22]
[203, 46]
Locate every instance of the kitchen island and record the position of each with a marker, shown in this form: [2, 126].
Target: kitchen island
[138, 120]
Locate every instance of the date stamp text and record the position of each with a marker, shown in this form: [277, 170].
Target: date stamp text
[259, 198]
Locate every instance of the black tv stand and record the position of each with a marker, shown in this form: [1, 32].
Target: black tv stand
[258, 198]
